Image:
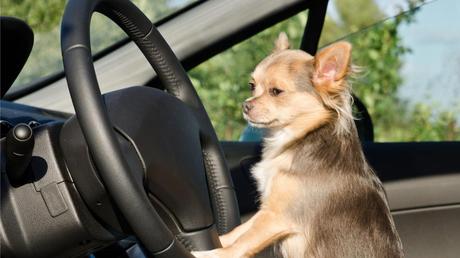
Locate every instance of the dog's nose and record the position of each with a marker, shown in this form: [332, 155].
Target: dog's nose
[247, 107]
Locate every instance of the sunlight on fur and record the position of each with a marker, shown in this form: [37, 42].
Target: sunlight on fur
[318, 195]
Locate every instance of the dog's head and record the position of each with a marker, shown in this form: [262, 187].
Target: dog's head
[291, 85]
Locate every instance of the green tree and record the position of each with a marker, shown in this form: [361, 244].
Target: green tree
[381, 50]
[40, 15]
[353, 15]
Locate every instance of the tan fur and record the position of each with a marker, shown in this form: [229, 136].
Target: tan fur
[319, 197]
[282, 43]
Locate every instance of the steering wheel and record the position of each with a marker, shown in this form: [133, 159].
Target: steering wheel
[155, 152]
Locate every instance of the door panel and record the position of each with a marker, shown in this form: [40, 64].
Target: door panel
[422, 181]
[430, 232]
[429, 191]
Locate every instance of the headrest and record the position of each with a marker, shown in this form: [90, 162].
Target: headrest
[17, 40]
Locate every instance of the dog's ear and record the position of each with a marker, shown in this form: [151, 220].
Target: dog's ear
[281, 43]
[331, 66]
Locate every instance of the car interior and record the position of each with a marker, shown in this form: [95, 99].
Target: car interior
[149, 178]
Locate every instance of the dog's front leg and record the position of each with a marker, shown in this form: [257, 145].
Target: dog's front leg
[230, 238]
[266, 228]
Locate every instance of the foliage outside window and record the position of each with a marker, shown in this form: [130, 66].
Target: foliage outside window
[380, 51]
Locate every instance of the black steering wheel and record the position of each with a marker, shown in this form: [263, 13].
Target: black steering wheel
[155, 152]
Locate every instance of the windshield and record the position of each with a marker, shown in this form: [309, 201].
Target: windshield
[45, 16]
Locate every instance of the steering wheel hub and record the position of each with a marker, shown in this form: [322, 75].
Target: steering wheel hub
[167, 139]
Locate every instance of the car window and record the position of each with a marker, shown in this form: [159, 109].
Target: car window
[407, 53]
[222, 81]
[45, 16]
[409, 79]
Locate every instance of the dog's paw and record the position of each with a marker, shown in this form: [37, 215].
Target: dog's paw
[218, 253]
[205, 254]
[226, 240]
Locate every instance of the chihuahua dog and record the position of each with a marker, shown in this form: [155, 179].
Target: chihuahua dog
[319, 196]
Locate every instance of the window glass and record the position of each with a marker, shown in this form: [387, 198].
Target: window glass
[45, 16]
[222, 81]
[409, 79]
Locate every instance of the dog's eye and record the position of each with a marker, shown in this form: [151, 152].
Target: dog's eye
[275, 92]
[252, 86]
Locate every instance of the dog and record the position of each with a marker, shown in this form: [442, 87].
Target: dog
[319, 197]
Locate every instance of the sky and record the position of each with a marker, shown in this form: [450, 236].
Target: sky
[432, 69]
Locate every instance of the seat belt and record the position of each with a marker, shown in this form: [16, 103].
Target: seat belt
[314, 26]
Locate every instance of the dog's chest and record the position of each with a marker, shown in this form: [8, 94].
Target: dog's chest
[273, 161]
[264, 171]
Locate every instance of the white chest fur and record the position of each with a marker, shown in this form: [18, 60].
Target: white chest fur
[263, 173]
[274, 159]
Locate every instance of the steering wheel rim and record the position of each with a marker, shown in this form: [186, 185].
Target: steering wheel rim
[98, 130]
